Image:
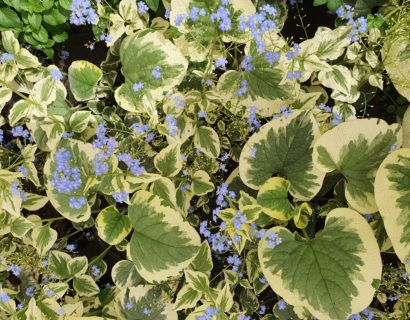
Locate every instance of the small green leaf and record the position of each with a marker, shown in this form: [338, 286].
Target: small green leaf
[201, 183]
[44, 238]
[84, 285]
[112, 226]
[83, 77]
[197, 280]
[207, 140]
[168, 160]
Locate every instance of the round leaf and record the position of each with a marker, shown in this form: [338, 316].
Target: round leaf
[112, 226]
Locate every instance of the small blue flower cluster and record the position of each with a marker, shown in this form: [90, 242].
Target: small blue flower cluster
[142, 7]
[15, 191]
[294, 53]
[337, 119]
[67, 179]
[258, 24]
[56, 75]
[105, 37]
[243, 317]
[235, 261]
[219, 243]
[246, 63]
[4, 297]
[179, 102]
[262, 310]
[272, 57]
[24, 171]
[285, 112]
[6, 57]
[133, 164]
[95, 271]
[209, 313]
[120, 197]
[273, 239]
[138, 86]
[293, 75]
[156, 72]
[64, 55]
[366, 312]
[107, 146]
[359, 25]
[221, 63]
[281, 304]
[20, 132]
[252, 121]
[172, 125]
[82, 13]
[222, 192]
[140, 129]
[325, 108]
[222, 16]
[201, 114]
[195, 12]
[239, 220]
[243, 89]
[15, 269]
[224, 158]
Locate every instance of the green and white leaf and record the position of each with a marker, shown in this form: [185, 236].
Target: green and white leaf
[77, 266]
[356, 149]
[79, 120]
[165, 189]
[82, 155]
[330, 275]
[207, 140]
[187, 298]
[34, 202]
[201, 183]
[163, 244]
[283, 146]
[124, 274]
[84, 285]
[58, 264]
[197, 280]
[44, 238]
[168, 161]
[203, 260]
[143, 51]
[273, 198]
[392, 192]
[112, 226]
[83, 77]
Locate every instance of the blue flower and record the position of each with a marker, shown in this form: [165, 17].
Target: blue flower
[243, 89]
[172, 125]
[4, 297]
[82, 13]
[272, 57]
[142, 7]
[179, 102]
[120, 197]
[246, 63]
[64, 55]
[140, 128]
[253, 152]
[150, 137]
[20, 306]
[269, 9]
[15, 269]
[95, 271]
[57, 75]
[195, 11]
[70, 247]
[273, 239]
[325, 108]
[235, 261]
[201, 114]
[337, 119]
[60, 311]
[221, 63]
[133, 164]
[49, 293]
[146, 311]
[6, 57]
[20, 132]
[128, 305]
[30, 291]
[105, 37]
[281, 304]
[167, 13]
[156, 72]
[262, 280]
[138, 86]
[262, 310]
[67, 135]
[252, 121]
[77, 203]
[179, 19]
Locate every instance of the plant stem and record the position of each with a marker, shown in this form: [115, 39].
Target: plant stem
[52, 219]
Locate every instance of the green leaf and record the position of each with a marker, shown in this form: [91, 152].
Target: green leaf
[207, 140]
[82, 156]
[124, 274]
[44, 238]
[142, 52]
[356, 149]
[197, 280]
[392, 191]
[330, 275]
[319, 2]
[187, 298]
[112, 226]
[168, 160]
[84, 285]
[77, 266]
[163, 244]
[165, 189]
[20, 109]
[273, 198]
[79, 120]
[203, 260]
[224, 302]
[58, 264]
[283, 146]
[83, 77]
[153, 4]
[33, 312]
[9, 19]
[201, 183]
[20, 226]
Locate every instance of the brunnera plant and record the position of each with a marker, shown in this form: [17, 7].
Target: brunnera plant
[234, 173]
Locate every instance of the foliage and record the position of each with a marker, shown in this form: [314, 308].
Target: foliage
[208, 168]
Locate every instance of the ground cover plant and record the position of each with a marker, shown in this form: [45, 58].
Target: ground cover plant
[225, 159]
